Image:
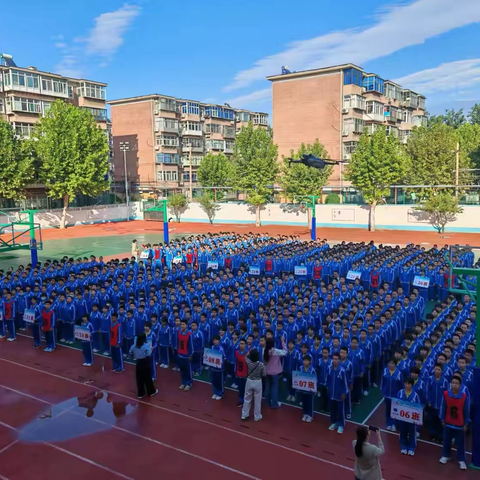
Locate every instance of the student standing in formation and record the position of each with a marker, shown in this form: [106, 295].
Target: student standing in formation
[307, 397]
[455, 415]
[48, 325]
[9, 316]
[337, 387]
[164, 343]
[216, 373]
[37, 322]
[87, 347]
[184, 353]
[436, 385]
[116, 344]
[241, 370]
[390, 385]
[408, 431]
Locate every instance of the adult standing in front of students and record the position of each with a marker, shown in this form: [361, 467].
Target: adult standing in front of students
[141, 352]
[135, 249]
[253, 387]
[367, 466]
[273, 368]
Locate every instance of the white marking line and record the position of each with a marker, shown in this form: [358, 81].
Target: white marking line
[3, 477]
[4, 449]
[79, 457]
[267, 442]
[372, 412]
[143, 437]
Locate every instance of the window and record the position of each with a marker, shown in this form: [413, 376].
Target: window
[407, 116]
[391, 113]
[260, 119]
[186, 176]
[243, 117]
[167, 158]
[404, 135]
[220, 112]
[391, 130]
[229, 131]
[54, 86]
[24, 79]
[27, 105]
[46, 107]
[191, 108]
[196, 160]
[167, 176]
[420, 120]
[166, 124]
[92, 91]
[23, 129]
[2, 107]
[213, 128]
[352, 76]
[375, 110]
[421, 103]
[229, 145]
[70, 92]
[192, 142]
[372, 127]
[192, 126]
[410, 99]
[353, 125]
[374, 84]
[168, 141]
[349, 147]
[393, 92]
[168, 104]
[98, 113]
[354, 101]
[215, 144]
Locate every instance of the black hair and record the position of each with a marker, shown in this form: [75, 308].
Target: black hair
[254, 355]
[362, 434]
[141, 339]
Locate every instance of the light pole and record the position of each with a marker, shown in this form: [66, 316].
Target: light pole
[125, 147]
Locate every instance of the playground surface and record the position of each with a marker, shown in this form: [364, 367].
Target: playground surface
[58, 418]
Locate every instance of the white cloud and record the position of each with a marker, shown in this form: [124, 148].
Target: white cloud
[61, 45]
[455, 77]
[107, 35]
[254, 98]
[397, 27]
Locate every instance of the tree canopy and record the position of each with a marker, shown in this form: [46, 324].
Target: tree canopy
[215, 171]
[441, 208]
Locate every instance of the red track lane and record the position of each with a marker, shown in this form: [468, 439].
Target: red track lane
[190, 422]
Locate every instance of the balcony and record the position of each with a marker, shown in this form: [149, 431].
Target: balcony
[194, 148]
[376, 117]
[166, 128]
[190, 133]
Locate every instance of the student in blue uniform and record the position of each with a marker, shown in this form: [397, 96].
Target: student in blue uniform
[105, 323]
[291, 362]
[164, 343]
[198, 346]
[307, 397]
[48, 325]
[129, 331]
[8, 315]
[408, 431]
[436, 385]
[87, 347]
[37, 322]
[115, 337]
[390, 385]
[337, 392]
[184, 353]
[324, 363]
[216, 372]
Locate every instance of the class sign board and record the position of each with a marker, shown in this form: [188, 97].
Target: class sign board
[305, 382]
[300, 271]
[212, 265]
[254, 270]
[212, 358]
[407, 411]
[353, 275]
[144, 254]
[29, 316]
[81, 333]
[422, 282]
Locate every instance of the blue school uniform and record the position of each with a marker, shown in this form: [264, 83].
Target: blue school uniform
[198, 346]
[307, 397]
[337, 387]
[217, 373]
[164, 344]
[390, 385]
[408, 431]
[87, 345]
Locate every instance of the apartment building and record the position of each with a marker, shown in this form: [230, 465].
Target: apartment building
[27, 93]
[336, 105]
[168, 137]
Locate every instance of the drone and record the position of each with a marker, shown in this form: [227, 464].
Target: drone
[310, 160]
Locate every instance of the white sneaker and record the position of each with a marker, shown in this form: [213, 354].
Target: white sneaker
[258, 418]
[309, 419]
[11, 339]
[411, 453]
[88, 364]
[444, 460]
[389, 427]
[463, 465]
[187, 388]
[340, 430]
[218, 397]
[214, 397]
[349, 416]
[234, 385]
[394, 428]
[403, 451]
[62, 340]
[84, 364]
[332, 427]
[181, 387]
[47, 350]
[304, 418]
[2, 336]
[417, 434]
[365, 394]
[162, 365]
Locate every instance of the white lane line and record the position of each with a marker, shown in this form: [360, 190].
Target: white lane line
[4, 449]
[372, 412]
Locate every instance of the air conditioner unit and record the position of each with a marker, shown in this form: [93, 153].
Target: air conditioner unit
[156, 130]
[364, 89]
[156, 111]
[344, 133]
[157, 147]
[345, 110]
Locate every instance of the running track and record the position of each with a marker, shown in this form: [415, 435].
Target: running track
[175, 433]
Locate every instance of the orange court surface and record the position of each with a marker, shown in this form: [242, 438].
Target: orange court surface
[61, 420]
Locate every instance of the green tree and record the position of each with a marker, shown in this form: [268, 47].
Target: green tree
[255, 165]
[433, 159]
[215, 171]
[474, 114]
[378, 162]
[209, 206]
[469, 138]
[452, 118]
[72, 152]
[441, 208]
[178, 204]
[16, 163]
[297, 180]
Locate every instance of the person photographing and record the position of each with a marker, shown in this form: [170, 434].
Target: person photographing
[367, 465]
[141, 351]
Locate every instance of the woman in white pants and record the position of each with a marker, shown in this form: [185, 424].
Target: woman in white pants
[253, 387]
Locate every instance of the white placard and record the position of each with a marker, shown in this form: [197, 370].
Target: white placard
[407, 411]
[306, 382]
[177, 259]
[301, 271]
[254, 270]
[29, 316]
[212, 265]
[212, 358]
[423, 282]
[353, 275]
[82, 333]
[144, 254]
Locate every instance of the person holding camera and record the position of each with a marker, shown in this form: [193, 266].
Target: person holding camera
[367, 465]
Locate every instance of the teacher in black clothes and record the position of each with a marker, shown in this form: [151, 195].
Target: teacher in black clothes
[141, 351]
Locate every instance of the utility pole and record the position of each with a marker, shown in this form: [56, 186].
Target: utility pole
[457, 169]
[124, 147]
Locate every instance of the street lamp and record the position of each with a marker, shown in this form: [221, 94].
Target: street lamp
[125, 147]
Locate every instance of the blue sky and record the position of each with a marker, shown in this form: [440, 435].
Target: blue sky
[219, 51]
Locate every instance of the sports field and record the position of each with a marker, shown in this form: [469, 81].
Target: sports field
[61, 420]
